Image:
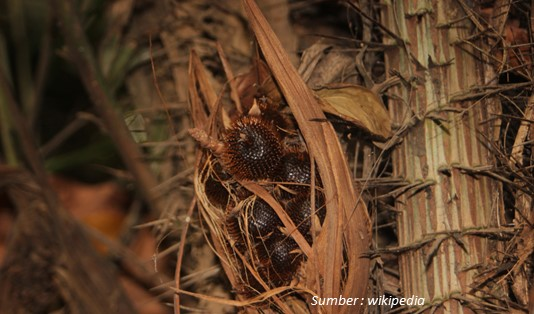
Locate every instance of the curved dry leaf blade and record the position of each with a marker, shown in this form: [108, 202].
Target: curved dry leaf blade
[344, 213]
[203, 97]
[197, 76]
[231, 78]
[202, 77]
[358, 105]
[297, 96]
[198, 114]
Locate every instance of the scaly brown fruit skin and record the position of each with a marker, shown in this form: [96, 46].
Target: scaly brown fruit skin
[279, 257]
[262, 219]
[295, 173]
[300, 210]
[253, 149]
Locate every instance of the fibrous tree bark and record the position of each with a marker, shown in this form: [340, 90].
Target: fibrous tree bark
[446, 131]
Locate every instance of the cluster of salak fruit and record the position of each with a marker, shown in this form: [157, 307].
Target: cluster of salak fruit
[263, 146]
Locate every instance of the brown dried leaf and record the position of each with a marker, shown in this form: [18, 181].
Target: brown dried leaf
[204, 101]
[358, 105]
[231, 78]
[197, 76]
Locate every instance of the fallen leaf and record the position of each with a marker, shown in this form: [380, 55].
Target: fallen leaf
[358, 105]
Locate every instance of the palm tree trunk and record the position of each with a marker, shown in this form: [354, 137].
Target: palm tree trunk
[444, 155]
